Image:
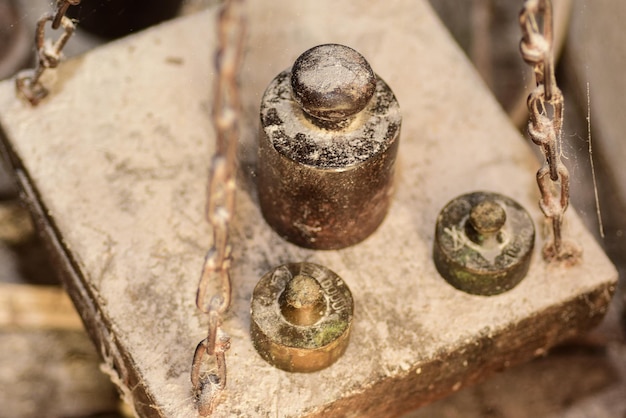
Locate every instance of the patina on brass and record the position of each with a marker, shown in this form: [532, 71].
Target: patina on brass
[328, 143]
[483, 243]
[301, 315]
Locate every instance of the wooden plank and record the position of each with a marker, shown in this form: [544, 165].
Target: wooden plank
[15, 223]
[114, 167]
[36, 307]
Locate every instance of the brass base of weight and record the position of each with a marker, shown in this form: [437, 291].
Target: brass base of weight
[301, 315]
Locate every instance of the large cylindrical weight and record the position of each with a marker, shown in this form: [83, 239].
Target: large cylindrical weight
[328, 143]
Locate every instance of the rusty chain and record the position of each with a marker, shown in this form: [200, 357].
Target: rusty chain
[545, 105]
[220, 207]
[28, 83]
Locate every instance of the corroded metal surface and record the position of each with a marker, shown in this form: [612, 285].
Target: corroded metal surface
[332, 82]
[483, 243]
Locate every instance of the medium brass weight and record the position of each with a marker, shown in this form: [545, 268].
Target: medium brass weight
[301, 316]
[328, 143]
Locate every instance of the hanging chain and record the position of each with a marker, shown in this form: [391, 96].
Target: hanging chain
[220, 206]
[545, 105]
[28, 83]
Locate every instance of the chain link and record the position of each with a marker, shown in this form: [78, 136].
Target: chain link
[61, 9]
[28, 82]
[220, 207]
[545, 105]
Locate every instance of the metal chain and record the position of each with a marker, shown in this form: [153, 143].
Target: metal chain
[28, 82]
[220, 206]
[545, 105]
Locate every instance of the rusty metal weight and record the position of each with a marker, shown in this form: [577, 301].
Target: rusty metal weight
[330, 130]
[483, 243]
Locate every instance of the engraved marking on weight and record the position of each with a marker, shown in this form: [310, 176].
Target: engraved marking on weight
[337, 302]
[280, 277]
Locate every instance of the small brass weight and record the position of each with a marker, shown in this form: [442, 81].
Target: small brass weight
[483, 243]
[301, 315]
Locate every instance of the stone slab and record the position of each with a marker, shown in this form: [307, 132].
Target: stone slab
[114, 166]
